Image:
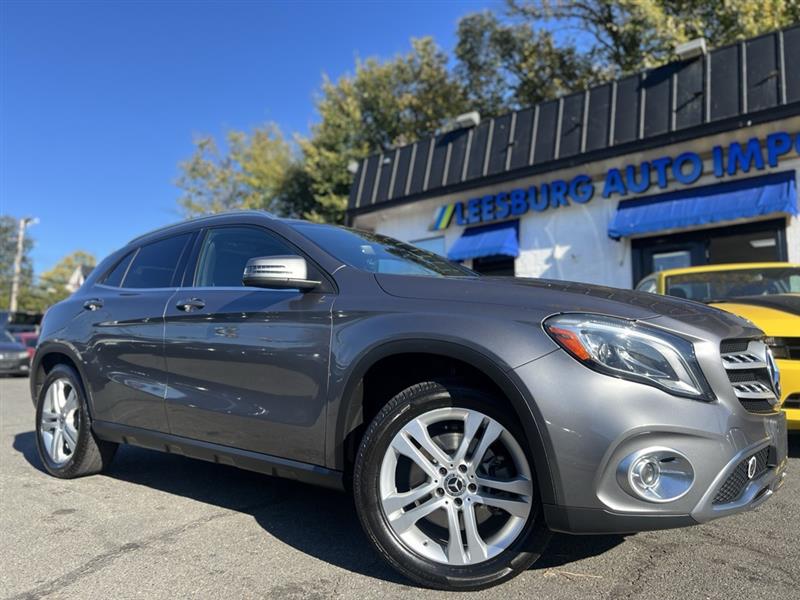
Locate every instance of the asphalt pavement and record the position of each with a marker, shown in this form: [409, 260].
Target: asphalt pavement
[164, 526]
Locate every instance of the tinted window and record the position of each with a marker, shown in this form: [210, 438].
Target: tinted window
[114, 277]
[723, 285]
[154, 264]
[226, 251]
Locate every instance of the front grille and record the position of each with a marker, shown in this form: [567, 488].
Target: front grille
[745, 362]
[737, 481]
[758, 406]
[728, 346]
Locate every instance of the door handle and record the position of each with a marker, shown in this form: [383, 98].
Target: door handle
[93, 304]
[190, 304]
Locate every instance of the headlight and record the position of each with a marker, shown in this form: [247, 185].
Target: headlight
[23, 354]
[779, 347]
[629, 350]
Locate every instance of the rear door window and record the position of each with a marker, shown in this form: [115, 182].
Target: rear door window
[155, 265]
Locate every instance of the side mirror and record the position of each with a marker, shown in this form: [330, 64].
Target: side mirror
[281, 272]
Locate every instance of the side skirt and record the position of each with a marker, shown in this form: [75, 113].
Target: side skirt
[243, 459]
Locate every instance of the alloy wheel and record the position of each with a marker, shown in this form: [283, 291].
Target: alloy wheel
[455, 486]
[59, 423]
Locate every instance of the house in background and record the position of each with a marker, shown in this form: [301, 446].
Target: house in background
[77, 278]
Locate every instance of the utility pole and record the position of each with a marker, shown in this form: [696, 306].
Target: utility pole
[23, 223]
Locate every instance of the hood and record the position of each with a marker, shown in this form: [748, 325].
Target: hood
[12, 347]
[544, 297]
[542, 294]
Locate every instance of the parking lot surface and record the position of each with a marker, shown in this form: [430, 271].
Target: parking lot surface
[164, 526]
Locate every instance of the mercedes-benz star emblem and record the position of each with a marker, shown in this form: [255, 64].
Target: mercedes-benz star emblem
[454, 485]
[752, 465]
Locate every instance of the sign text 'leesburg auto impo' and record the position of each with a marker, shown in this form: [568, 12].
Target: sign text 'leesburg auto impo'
[685, 168]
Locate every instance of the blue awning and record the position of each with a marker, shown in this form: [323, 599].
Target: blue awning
[486, 240]
[729, 201]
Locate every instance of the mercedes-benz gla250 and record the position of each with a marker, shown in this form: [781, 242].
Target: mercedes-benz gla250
[469, 416]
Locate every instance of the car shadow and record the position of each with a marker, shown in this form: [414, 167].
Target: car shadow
[319, 522]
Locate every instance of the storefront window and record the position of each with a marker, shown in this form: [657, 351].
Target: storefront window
[671, 260]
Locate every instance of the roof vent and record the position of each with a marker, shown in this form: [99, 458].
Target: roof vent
[691, 49]
[465, 121]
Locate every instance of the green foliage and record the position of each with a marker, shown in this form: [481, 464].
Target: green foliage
[52, 284]
[505, 65]
[251, 173]
[630, 35]
[384, 105]
[33, 296]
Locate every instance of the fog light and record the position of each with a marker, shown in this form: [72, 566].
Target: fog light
[656, 474]
[646, 471]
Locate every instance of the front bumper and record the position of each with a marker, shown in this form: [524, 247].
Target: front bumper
[15, 366]
[593, 422]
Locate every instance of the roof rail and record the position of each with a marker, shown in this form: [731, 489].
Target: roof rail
[207, 217]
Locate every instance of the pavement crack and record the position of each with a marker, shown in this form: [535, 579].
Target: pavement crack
[103, 560]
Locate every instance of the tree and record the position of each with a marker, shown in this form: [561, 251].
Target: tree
[9, 229]
[629, 35]
[52, 286]
[382, 106]
[253, 172]
[504, 66]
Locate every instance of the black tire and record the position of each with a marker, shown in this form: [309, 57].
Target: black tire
[91, 455]
[404, 407]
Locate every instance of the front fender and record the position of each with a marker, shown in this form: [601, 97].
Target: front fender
[429, 334]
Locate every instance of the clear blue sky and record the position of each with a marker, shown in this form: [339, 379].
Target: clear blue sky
[99, 101]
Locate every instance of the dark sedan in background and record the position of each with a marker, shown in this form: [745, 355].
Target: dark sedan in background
[14, 357]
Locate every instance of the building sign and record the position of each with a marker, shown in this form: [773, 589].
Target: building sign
[685, 168]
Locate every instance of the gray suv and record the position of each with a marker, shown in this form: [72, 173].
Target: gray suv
[469, 416]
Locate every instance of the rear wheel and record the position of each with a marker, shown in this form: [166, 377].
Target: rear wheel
[67, 446]
[445, 490]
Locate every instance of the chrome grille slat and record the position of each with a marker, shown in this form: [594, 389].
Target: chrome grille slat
[746, 365]
[743, 360]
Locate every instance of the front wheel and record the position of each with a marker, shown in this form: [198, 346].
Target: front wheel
[444, 489]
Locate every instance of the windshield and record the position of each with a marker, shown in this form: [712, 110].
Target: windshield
[380, 254]
[724, 285]
[5, 336]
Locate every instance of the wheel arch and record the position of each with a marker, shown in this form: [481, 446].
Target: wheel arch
[47, 356]
[350, 419]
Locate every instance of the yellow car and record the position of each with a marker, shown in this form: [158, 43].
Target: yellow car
[768, 294]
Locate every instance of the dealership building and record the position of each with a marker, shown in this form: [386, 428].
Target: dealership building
[692, 163]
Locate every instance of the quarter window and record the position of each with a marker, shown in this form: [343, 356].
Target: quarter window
[114, 277]
[226, 251]
[647, 285]
[154, 265]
